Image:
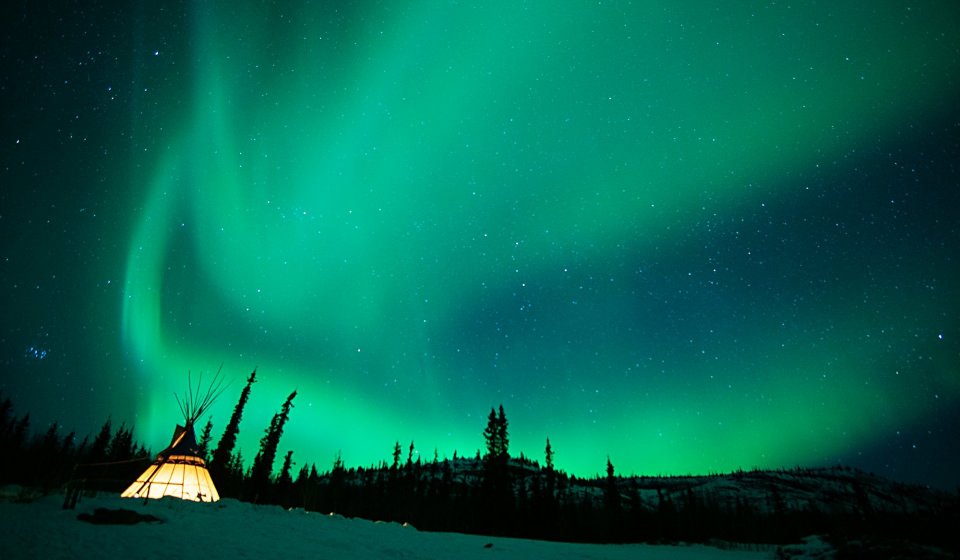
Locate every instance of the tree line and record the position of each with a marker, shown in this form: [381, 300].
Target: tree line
[490, 493]
[113, 459]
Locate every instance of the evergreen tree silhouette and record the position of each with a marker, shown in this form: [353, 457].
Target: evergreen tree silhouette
[220, 463]
[234, 470]
[263, 462]
[546, 499]
[45, 452]
[284, 475]
[503, 435]
[611, 504]
[284, 482]
[51, 440]
[496, 437]
[396, 455]
[203, 447]
[98, 450]
[498, 499]
[66, 444]
[121, 444]
[490, 436]
[336, 486]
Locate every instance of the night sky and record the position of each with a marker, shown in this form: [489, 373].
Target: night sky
[693, 238]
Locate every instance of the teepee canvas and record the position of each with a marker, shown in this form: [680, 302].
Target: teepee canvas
[179, 470]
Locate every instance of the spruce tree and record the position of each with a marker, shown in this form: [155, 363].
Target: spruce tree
[497, 503]
[66, 445]
[220, 463]
[490, 436]
[551, 482]
[235, 466]
[121, 445]
[98, 451]
[502, 435]
[284, 489]
[396, 455]
[203, 447]
[51, 440]
[263, 463]
[303, 474]
[611, 503]
[45, 455]
[284, 476]
[548, 453]
[497, 437]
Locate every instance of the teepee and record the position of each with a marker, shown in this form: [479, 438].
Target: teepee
[179, 470]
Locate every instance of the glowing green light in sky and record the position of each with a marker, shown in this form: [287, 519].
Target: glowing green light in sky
[413, 214]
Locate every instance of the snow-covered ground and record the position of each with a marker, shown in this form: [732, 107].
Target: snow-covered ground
[230, 529]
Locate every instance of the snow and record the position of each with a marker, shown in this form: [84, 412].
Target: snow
[40, 528]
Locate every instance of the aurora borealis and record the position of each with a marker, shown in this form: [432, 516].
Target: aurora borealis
[691, 238]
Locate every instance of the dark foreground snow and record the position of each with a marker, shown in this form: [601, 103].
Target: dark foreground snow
[230, 529]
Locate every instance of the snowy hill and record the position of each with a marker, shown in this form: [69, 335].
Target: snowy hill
[830, 490]
[232, 529]
[768, 507]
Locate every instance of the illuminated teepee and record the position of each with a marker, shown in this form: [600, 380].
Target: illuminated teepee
[179, 470]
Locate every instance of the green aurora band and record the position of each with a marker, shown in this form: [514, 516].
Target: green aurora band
[412, 215]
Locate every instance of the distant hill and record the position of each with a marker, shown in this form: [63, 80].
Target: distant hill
[832, 490]
[760, 506]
